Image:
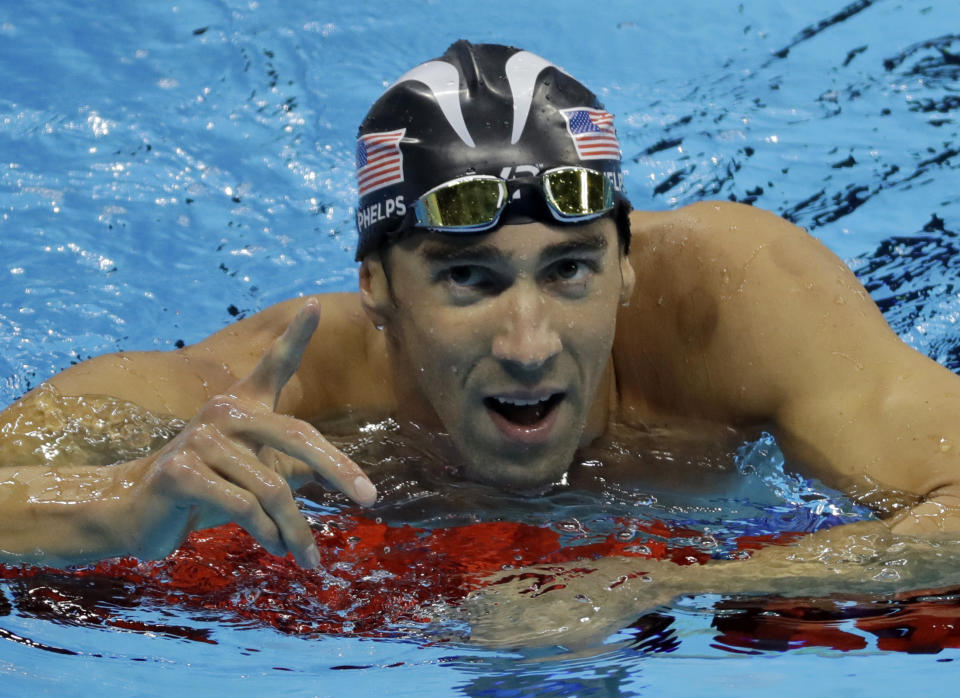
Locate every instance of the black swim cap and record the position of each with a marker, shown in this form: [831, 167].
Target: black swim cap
[478, 109]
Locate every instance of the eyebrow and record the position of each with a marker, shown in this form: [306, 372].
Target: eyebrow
[443, 253]
[588, 242]
[440, 252]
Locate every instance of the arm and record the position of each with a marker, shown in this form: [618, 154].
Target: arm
[742, 318]
[579, 605]
[768, 327]
[223, 466]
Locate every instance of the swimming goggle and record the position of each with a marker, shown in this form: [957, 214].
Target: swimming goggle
[474, 203]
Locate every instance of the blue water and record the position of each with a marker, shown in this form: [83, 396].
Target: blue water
[167, 168]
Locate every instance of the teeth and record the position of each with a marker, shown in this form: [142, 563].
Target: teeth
[519, 402]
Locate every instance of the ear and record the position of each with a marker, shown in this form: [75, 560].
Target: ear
[628, 280]
[374, 290]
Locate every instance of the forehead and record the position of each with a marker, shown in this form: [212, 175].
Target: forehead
[508, 241]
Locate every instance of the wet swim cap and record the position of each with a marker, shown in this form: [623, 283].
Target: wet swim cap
[478, 109]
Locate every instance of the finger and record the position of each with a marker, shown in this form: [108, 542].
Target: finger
[295, 438]
[302, 441]
[215, 500]
[294, 471]
[240, 467]
[282, 359]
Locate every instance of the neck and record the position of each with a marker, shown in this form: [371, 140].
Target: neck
[604, 404]
[411, 406]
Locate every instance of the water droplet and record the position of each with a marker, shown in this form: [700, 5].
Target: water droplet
[945, 444]
[887, 574]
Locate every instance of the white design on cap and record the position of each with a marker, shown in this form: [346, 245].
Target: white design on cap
[444, 81]
[522, 70]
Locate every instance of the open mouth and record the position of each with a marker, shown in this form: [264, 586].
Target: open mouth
[523, 412]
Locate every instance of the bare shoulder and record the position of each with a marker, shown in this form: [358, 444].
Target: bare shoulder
[240, 345]
[736, 308]
[343, 370]
[726, 232]
[344, 357]
[345, 373]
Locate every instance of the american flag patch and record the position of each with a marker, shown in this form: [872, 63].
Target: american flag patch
[593, 133]
[379, 160]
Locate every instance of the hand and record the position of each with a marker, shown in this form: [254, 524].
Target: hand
[225, 466]
[576, 605]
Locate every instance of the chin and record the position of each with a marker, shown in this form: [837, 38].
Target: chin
[528, 478]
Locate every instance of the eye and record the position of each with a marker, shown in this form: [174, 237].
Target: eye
[468, 279]
[571, 271]
[464, 275]
[568, 269]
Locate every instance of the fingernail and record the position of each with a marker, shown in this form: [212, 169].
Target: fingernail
[364, 490]
[313, 558]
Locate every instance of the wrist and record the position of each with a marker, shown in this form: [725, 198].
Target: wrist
[64, 517]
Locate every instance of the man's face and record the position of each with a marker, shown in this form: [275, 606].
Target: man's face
[504, 338]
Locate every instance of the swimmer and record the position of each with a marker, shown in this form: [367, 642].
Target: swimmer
[513, 309]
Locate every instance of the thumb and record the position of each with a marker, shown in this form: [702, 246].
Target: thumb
[282, 359]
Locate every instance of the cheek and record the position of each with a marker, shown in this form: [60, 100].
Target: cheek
[444, 339]
[441, 349]
[590, 330]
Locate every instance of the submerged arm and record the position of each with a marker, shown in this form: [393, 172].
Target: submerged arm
[578, 605]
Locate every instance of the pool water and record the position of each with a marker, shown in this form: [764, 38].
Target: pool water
[167, 168]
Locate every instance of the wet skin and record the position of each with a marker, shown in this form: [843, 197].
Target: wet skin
[502, 341]
[510, 350]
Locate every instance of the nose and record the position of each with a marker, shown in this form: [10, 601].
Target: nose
[527, 337]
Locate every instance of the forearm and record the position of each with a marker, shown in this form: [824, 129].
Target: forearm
[868, 557]
[937, 516]
[864, 557]
[63, 516]
[61, 502]
[535, 605]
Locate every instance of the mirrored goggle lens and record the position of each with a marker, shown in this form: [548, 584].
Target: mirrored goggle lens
[575, 192]
[463, 205]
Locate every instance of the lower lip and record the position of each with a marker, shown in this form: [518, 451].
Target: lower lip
[526, 434]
